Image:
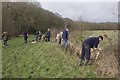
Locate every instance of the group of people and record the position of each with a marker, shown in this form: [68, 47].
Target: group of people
[46, 37]
[39, 36]
[87, 44]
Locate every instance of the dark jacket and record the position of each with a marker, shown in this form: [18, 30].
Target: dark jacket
[92, 42]
[65, 35]
[25, 35]
[36, 33]
[48, 34]
[5, 36]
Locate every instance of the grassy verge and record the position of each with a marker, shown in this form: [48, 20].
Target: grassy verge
[41, 60]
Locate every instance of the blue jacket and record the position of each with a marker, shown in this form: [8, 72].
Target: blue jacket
[92, 42]
[65, 35]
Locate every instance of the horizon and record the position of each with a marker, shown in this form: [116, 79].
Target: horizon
[106, 11]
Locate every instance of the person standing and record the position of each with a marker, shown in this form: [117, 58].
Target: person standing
[25, 36]
[40, 35]
[48, 33]
[87, 44]
[36, 35]
[5, 38]
[65, 38]
[60, 37]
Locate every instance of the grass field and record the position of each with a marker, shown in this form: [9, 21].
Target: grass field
[43, 60]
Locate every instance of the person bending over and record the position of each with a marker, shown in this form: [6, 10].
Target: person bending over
[87, 44]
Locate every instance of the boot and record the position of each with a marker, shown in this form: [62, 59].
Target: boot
[86, 62]
[80, 63]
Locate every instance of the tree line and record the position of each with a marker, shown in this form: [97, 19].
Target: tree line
[18, 17]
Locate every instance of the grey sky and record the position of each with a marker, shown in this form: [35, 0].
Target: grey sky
[90, 11]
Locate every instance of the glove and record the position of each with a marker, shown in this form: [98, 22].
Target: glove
[99, 49]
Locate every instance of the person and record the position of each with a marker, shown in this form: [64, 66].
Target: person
[65, 38]
[25, 36]
[59, 38]
[87, 44]
[48, 34]
[40, 35]
[36, 36]
[44, 38]
[5, 38]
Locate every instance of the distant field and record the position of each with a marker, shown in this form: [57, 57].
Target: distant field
[113, 34]
[44, 60]
[81, 35]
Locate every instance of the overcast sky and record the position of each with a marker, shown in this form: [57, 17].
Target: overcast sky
[90, 11]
